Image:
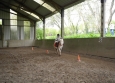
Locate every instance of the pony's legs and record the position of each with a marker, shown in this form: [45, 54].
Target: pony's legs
[59, 50]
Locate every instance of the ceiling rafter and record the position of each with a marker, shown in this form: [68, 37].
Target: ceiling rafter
[29, 9]
[17, 11]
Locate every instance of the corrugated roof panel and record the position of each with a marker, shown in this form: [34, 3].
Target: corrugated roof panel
[63, 2]
[13, 3]
[46, 5]
[67, 3]
[43, 11]
[31, 4]
[39, 1]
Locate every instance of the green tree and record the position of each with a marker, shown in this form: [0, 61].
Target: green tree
[39, 33]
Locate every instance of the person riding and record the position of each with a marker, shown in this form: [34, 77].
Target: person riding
[57, 40]
[58, 44]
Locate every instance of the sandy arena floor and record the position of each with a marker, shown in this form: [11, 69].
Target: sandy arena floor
[22, 65]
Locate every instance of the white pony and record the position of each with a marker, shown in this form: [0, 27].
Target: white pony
[58, 46]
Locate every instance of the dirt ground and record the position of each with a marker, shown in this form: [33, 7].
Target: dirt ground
[24, 65]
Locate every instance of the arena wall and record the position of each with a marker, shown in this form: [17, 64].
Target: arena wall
[21, 43]
[84, 46]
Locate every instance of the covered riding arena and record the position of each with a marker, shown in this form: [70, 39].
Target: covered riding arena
[35, 61]
[24, 65]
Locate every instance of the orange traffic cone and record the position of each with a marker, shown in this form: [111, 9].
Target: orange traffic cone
[32, 48]
[78, 58]
[47, 51]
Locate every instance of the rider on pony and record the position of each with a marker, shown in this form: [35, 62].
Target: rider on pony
[57, 40]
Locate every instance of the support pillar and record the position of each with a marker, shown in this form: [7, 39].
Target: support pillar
[22, 32]
[44, 28]
[2, 33]
[19, 32]
[103, 18]
[34, 30]
[62, 23]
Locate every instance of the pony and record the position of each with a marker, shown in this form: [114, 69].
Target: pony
[58, 46]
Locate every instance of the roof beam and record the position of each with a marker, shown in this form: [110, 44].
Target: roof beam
[29, 9]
